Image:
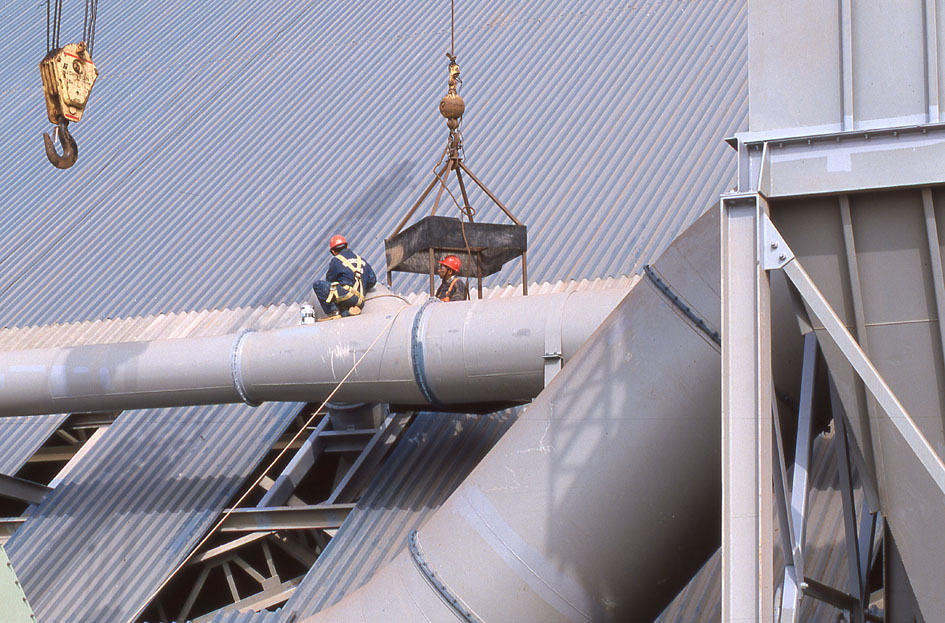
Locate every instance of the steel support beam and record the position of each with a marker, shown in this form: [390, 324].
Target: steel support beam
[789, 588]
[364, 466]
[801, 480]
[293, 473]
[843, 162]
[916, 482]
[854, 569]
[872, 461]
[21, 490]
[796, 519]
[877, 387]
[747, 568]
[318, 517]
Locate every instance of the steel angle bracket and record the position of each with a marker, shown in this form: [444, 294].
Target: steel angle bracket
[774, 253]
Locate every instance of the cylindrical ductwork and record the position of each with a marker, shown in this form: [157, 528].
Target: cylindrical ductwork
[603, 499]
[439, 354]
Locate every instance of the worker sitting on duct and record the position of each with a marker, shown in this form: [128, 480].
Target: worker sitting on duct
[349, 276]
[452, 288]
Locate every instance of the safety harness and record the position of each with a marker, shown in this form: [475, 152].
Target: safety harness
[449, 290]
[356, 266]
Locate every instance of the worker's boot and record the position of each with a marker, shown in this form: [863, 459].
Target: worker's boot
[354, 311]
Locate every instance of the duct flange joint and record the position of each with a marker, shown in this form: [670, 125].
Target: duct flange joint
[236, 367]
[676, 300]
[454, 602]
[416, 353]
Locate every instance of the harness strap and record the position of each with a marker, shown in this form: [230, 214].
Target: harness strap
[356, 266]
[449, 290]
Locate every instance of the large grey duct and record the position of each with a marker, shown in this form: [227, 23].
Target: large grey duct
[491, 351]
[603, 499]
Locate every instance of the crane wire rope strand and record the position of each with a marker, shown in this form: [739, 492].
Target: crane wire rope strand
[272, 464]
[54, 24]
[53, 20]
[88, 27]
[465, 210]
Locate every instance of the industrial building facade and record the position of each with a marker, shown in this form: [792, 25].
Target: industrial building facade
[721, 398]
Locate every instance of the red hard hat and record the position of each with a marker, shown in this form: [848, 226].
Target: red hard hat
[337, 241]
[452, 262]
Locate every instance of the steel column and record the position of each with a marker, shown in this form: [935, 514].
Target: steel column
[789, 589]
[747, 593]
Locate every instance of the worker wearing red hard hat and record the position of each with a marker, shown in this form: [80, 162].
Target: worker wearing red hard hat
[349, 276]
[452, 288]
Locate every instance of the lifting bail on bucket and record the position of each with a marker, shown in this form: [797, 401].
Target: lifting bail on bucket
[483, 248]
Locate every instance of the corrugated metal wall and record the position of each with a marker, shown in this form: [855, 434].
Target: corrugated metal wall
[225, 142]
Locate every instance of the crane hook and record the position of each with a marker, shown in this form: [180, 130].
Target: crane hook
[70, 151]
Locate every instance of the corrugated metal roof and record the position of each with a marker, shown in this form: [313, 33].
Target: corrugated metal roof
[225, 321]
[107, 536]
[825, 553]
[435, 456]
[21, 437]
[225, 142]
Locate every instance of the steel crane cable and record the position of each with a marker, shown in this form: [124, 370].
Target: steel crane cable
[53, 20]
[465, 211]
[88, 28]
[54, 24]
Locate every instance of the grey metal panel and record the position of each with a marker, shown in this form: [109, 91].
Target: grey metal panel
[20, 438]
[598, 124]
[263, 616]
[863, 65]
[788, 90]
[224, 321]
[437, 453]
[889, 72]
[111, 532]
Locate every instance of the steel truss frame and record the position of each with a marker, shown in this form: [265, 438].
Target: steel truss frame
[300, 530]
[751, 457]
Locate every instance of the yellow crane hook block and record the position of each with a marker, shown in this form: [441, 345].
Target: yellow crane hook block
[68, 74]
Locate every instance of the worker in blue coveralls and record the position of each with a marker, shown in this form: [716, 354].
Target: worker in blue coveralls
[349, 276]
